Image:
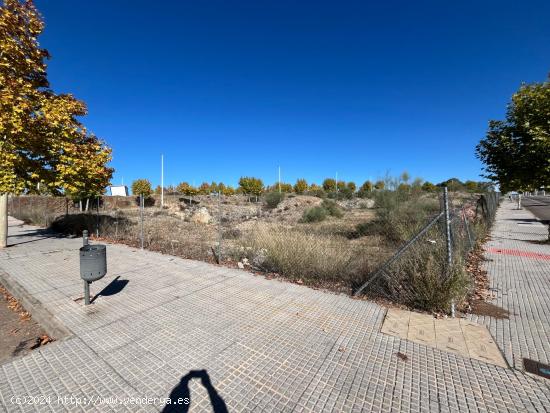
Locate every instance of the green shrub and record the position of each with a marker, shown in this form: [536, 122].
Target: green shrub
[332, 208]
[273, 199]
[363, 228]
[429, 285]
[318, 192]
[315, 214]
[399, 215]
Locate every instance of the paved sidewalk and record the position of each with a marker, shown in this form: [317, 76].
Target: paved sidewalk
[265, 345]
[519, 270]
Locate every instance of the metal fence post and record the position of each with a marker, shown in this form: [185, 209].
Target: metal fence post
[447, 225]
[220, 234]
[448, 237]
[141, 206]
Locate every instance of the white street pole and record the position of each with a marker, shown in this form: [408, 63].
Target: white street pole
[279, 179]
[336, 182]
[161, 181]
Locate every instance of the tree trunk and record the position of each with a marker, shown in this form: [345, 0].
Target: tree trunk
[87, 203]
[3, 220]
[80, 204]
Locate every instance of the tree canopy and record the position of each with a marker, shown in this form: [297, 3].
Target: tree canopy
[142, 187]
[251, 185]
[516, 150]
[42, 142]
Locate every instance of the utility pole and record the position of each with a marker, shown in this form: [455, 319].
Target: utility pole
[161, 180]
[337, 182]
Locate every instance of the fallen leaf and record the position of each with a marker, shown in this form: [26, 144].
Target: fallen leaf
[402, 356]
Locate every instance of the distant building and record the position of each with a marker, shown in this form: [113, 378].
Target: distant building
[119, 190]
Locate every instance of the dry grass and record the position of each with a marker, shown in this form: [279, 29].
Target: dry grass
[313, 258]
[161, 232]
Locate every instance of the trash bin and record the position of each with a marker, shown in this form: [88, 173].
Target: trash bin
[93, 262]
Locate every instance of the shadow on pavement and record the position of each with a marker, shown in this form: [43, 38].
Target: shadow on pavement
[523, 219]
[36, 234]
[114, 287]
[181, 391]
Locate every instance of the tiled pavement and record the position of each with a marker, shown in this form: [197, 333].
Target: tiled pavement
[265, 344]
[455, 335]
[521, 283]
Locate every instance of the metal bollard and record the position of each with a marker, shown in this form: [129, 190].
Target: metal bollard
[84, 237]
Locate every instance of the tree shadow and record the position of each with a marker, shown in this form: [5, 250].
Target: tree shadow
[181, 393]
[36, 234]
[74, 224]
[520, 220]
[114, 287]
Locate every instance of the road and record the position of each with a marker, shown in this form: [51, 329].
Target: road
[538, 205]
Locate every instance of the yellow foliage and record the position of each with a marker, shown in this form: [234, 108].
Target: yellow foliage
[41, 140]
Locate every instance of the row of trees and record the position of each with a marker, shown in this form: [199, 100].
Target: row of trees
[254, 187]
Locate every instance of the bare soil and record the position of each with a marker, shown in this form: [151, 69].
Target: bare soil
[19, 333]
[487, 309]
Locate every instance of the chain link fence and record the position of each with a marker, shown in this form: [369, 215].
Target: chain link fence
[428, 271]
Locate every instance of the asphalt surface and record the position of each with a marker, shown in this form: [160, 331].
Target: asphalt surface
[539, 206]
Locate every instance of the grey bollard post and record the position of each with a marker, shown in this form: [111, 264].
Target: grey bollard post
[86, 293]
[86, 283]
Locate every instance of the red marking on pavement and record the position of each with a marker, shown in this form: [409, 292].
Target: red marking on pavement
[518, 253]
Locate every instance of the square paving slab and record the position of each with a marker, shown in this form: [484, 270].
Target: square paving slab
[454, 335]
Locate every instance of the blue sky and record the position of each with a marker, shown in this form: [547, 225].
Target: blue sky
[232, 88]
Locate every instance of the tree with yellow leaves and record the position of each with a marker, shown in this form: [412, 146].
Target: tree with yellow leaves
[41, 140]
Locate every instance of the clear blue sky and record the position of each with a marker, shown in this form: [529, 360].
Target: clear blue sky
[229, 88]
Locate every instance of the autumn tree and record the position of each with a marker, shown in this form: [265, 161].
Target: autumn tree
[471, 186]
[404, 177]
[142, 187]
[204, 188]
[42, 142]
[300, 186]
[228, 190]
[429, 187]
[329, 185]
[351, 186]
[251, 186]
[182, 188]
[516, 150]
[285, 187]
[380, 185]
[416, 185]
[365, 188]
[186, 189]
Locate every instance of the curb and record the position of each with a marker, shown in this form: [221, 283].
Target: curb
[37, 310]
